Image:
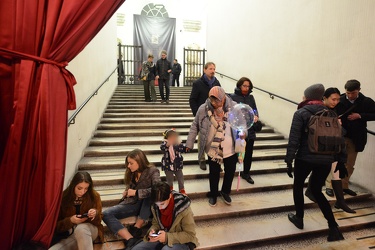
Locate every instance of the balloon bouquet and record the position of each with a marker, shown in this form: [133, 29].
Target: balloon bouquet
[241, 118]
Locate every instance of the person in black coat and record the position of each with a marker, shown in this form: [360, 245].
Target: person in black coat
[163, 68]
[319, 165]
[242, 94]
[176, 71]
[356, 110]
[199, 95]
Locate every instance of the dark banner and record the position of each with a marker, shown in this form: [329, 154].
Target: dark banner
[155, 34]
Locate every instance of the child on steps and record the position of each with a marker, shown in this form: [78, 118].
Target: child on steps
[172, 161]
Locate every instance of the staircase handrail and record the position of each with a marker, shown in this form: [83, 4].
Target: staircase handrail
[272, 95]
[72, 118]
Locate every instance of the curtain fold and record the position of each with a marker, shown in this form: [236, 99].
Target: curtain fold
[37, 39]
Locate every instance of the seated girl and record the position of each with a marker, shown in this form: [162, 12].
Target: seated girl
[173, 225]
[79, 221]
[140, 175]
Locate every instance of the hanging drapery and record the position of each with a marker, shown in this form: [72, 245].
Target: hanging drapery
[37, 40]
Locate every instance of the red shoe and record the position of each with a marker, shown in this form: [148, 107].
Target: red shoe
[182, 191]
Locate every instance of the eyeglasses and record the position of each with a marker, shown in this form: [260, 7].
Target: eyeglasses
[246, 86]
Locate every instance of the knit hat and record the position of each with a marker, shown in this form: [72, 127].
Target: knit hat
[217, 92]
[314, 92]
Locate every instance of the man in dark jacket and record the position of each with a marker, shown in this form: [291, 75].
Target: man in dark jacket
[242, 94]
[199, 95]
[176, 71]
[355, 110]
[319, 165]
[163, 68]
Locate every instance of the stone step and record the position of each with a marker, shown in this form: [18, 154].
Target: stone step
[146, 119]
[131, 101]
[152, 132]
[191, 172]
[147, 140]
[157, 125]
[249, 230]
[109, 162]
[148, 114]
[155, 148]
[147, 105]
[145, 110]
[198, 188]
[140, 97]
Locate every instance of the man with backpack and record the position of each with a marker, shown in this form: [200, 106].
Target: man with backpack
[355, 110]
[312, 156]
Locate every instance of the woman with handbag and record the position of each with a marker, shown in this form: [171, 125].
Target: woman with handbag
[79, 221]
[147, 76]
[242, 94]
[140, 175]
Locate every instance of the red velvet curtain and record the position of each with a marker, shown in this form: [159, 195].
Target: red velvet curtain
[37, 39]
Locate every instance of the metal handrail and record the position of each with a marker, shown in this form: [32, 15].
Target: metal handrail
[72, 118]
[272, 95]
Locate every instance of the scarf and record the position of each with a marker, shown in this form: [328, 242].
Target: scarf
[172, 155]
[166, 217]
[216, 151]
[309, 102]
[210, 82]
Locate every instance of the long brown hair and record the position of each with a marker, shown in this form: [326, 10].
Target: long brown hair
[69, 195]
[140, 157]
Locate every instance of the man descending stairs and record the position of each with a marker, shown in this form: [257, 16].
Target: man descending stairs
[258, 212]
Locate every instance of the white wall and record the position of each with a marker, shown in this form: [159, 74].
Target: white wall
[285, 46]
[179, 9]
[90, 68]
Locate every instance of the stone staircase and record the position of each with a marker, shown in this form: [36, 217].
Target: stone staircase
[257, 216]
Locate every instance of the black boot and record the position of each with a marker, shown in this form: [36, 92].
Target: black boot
[298, 222]
[132, 242]
[334, 234]
[340, 201]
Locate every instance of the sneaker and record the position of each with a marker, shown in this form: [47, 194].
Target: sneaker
[167, 101]
[202, 165]
[162, 101]
[226, 198]
[349, 192]
[129, 244]
[298, 222]
[329, 192]
[212, 201]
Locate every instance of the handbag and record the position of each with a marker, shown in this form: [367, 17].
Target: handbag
[144, 78]
[258, 126]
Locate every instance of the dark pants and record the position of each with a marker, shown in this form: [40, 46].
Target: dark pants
[149, 86]
[177, 79]
[319, 173]
[214, 175]
[162, 83]
[248, 156]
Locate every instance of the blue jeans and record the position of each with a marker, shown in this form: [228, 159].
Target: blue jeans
[157, 245]
[111, 216]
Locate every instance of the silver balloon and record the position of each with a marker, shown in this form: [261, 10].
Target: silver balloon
[241, 117]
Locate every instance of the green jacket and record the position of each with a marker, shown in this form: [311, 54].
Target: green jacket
[182, 230]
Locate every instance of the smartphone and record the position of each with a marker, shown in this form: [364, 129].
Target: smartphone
[85, 215]
[155, 234]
